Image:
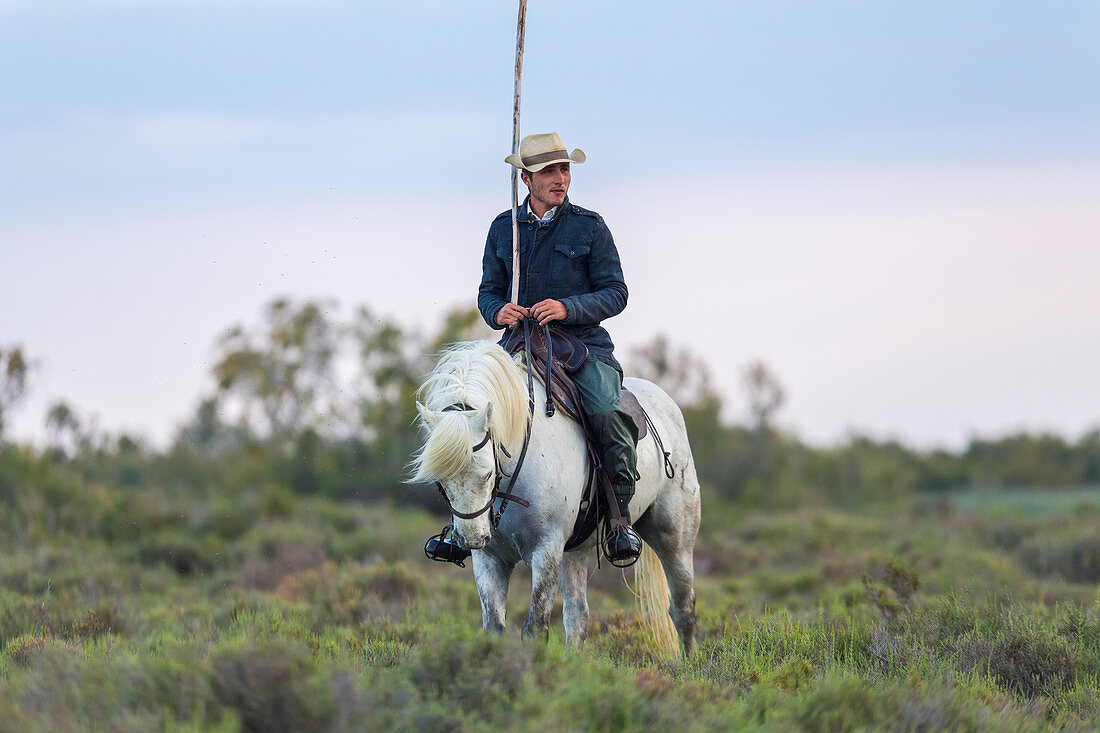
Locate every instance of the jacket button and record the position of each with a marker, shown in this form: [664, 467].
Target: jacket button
[571, 253]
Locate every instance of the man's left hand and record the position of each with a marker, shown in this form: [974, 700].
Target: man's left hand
[548, 310]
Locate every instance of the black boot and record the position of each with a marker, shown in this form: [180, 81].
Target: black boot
[444, 549]
[622, 546]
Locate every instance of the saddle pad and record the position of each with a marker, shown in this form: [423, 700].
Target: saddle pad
[629, 404]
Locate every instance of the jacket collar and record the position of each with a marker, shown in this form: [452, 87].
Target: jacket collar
[524, 213]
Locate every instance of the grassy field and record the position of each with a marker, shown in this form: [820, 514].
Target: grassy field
[143, 609]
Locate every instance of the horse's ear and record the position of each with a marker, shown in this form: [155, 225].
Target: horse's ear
[481, 417]
[430, 418]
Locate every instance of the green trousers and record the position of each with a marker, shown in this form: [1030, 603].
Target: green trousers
[616, 433]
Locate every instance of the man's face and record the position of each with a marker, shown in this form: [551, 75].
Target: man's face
[548, 186]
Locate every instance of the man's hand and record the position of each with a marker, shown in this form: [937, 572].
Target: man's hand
[511, 314]
[548, 310]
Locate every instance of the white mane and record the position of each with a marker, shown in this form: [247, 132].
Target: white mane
[473, 373]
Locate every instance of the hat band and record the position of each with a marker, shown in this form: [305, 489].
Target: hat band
[544, 157]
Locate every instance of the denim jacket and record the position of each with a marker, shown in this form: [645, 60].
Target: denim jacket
[571, 258]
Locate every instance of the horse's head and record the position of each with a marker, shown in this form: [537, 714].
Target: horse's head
[459, 456]
[460, 452]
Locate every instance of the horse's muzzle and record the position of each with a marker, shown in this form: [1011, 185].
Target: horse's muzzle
[471, 543]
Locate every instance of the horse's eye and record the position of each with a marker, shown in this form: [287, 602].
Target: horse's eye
[488, 477]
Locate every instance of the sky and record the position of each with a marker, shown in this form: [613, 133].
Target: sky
[894, 206]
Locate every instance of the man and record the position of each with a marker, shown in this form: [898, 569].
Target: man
[569, 275]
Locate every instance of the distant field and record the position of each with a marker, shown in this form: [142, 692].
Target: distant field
[1028, 501]
[145, 609]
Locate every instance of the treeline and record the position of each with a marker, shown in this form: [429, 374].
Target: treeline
[756, 462]
[310, 402]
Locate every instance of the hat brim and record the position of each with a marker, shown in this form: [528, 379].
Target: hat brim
[577, 156]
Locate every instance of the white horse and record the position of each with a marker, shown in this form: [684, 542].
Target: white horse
[486, 392]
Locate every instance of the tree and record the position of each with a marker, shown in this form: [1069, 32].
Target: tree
[392, 363]
[14, 370]
[281, 380]
[720, 457]
[679, 372]
[764, 392]
[461, 325]
[63, 428]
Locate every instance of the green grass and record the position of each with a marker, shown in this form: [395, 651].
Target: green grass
[966, 613]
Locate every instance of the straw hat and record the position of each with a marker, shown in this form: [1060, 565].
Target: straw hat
[538, 151]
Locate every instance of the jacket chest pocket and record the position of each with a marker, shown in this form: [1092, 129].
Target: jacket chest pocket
[504, 254]
[570, 265]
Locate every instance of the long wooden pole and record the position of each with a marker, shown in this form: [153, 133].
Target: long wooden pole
[520, 23]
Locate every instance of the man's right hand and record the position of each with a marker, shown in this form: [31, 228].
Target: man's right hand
[511, 314]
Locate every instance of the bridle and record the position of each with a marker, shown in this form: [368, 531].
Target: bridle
[505, 496]
[498, 474]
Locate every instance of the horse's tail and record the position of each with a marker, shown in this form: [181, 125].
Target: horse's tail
[653, 597]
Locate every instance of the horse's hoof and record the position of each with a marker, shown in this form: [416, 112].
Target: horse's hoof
[538, 632]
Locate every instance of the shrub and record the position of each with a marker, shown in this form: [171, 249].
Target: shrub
[895, 600]
[19, 615]
[845, 703]
[1074, 556]
[1081, 630]
[137, 515]
[1023, 658]
[793, 675]
[780, 585]
[382, 644]
[22, 650]
[622, 638]
[273, 687]
[229, 518]
[94, 623]
[66, 689]
[351, 594]
[1032, 663]
[475, 671]
[274, 550]
[181, 551]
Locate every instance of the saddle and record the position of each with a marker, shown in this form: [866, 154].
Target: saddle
[553, 357]
[567, 354]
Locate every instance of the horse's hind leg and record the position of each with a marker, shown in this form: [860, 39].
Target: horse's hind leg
[680, 572]
[670, 527]
[491, 576]
[574, 593]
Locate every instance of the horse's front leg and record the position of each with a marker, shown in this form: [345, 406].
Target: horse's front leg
[491, 575]
[545, 567]
[574, 593]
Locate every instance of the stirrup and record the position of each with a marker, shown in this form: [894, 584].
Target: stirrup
[622, 546]
[444, 549]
